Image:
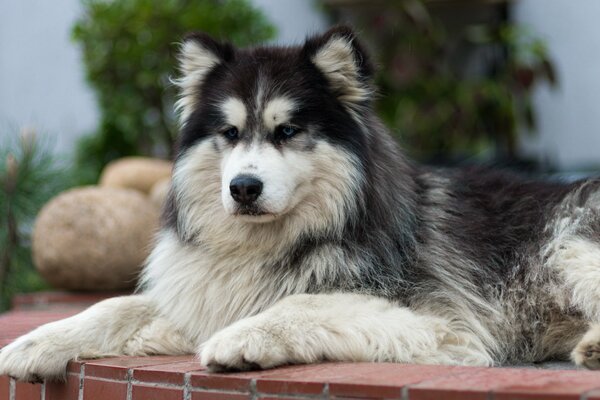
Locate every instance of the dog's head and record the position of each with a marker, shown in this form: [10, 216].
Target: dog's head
[271, 132]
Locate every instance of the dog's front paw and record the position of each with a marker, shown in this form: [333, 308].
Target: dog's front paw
[243, 347]
[587, 351]
[33, 359]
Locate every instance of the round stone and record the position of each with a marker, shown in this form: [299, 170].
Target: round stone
[160, 192]
[94, 238]
[138, 173]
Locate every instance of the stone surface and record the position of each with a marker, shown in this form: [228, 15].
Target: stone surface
[94, 238]
[138, 173]
[160, 191]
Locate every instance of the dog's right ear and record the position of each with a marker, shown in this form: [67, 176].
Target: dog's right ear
[199, 54]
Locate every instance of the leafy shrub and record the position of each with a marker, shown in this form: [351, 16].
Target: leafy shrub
[451, 93]
[29, 176]
[129, 49]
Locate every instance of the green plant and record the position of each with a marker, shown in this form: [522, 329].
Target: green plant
[129, 50]
[454, 93]
[29, 176]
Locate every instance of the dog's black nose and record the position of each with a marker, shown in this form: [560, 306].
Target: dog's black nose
[245, 189]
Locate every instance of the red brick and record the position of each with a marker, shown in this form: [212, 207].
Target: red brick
[292, 387]
[207, 395]
[301, 379]
[166, 373]
[507, 384]
[226, 381]
[117, 367]
[28, 391]
[470, 385]
[105, 371]
[63, 391]
[4, 387]
[272, 397]
[594, 395]
[94, 389]
[360, 397]
[535, 396]
[74, 367]
[17, 323]
[143, 392]
[220, 381]
[308, 377]
[436, 394]
[54, 299]
[385, 380]
[551, 385]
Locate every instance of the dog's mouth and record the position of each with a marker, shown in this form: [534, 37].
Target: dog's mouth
[254, 213]
[251, 210]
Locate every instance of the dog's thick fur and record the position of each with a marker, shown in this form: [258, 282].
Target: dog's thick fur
[351, 252]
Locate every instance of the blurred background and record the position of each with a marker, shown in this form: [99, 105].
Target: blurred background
[512, 84]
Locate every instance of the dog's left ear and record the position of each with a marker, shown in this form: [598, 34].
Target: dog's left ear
[341, 58]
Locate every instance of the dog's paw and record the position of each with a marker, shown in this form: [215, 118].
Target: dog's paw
[587, 351]
[243, 347]
[32, 359]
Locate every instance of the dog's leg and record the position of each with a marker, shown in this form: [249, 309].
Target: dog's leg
[587, 351]
[577, 260]
[119, 326]
[337, 327]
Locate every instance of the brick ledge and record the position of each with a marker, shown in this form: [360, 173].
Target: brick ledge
[60, 299]
[182, 378]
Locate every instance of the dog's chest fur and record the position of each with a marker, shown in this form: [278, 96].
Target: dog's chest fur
[221, 290]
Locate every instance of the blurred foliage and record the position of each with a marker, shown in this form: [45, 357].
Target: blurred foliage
[454, 95]
[129, 50]
[29, 176]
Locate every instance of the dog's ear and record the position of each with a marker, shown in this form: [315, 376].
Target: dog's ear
[199, 54]
[342, 59]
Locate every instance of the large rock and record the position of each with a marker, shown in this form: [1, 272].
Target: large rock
[94, 238]
[139, 173]
[160, 192]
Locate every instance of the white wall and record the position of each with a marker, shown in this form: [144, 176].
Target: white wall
[294, 19]
[42, 81]
[569, 116]
[41, 77]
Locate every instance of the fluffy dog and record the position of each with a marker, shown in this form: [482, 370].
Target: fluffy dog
[297, 232]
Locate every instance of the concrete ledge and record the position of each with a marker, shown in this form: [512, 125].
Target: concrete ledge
[182, 378]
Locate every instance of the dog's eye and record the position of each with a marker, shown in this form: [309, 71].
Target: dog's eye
[231, 133]
[285, 132]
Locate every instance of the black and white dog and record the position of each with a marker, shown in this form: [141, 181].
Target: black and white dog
[297, 232]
